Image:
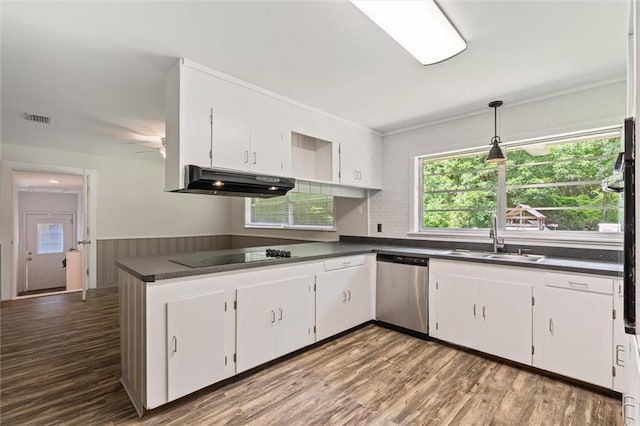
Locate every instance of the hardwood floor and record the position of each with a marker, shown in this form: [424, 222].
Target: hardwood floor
[60, 364]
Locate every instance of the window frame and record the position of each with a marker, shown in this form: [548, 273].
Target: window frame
[249, 225]
[591, 238]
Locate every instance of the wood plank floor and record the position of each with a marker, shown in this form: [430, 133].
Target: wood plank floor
[60, 365]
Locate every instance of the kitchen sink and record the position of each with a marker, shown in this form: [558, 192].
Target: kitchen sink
[517, 257]
[469, 253]
[525, 257]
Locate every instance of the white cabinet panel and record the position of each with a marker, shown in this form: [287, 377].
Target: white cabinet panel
[343, 300]
[273, 319]
[331, 298]
[195, 333]
[255, 325]
[620, 355]
[268, 148]
[579, 336]
[295, 315]
[457, 309]
[506, 320]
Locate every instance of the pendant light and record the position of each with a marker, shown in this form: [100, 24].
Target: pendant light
[496, 154]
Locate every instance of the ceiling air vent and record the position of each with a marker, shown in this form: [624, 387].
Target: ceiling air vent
[43, 119]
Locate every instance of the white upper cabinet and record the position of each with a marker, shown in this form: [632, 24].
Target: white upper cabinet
[215, 120]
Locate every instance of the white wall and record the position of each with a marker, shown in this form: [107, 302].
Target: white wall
[41, 202]
[131, 202]
[588, 108]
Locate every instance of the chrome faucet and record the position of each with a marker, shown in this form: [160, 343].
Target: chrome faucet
[498, 243]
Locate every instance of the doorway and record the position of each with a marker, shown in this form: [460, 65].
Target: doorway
[49, 208]
[48, 238]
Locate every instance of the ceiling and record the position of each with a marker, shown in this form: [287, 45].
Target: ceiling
[97, 68]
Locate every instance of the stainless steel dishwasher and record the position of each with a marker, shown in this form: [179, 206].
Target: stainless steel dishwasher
[402, 292]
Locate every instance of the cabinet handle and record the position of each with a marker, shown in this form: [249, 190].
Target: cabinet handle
[246, 157]
[273, 317]
[474, 310]
[484, 316]
[344, 296]
[626, 404]
[280, 312]
[355, 175]
[174, 343]
[577, 284]
[359, 175]
[619, 360]
[551, 325]
[347, 262]
[349, 291]
[255, 158]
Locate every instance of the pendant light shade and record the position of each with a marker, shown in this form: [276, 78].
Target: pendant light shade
[496, 154]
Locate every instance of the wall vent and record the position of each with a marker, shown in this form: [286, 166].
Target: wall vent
[43, 119]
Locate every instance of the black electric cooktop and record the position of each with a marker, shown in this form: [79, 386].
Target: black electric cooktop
[202, 260]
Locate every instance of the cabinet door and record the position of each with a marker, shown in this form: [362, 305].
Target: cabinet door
[578, 337]
[506, 320]
[457, 309]
[194, 118]
[295, 314]
[231, 126]
[331, 300]
[358, 295]
[620, 356]
[352, 163]
[256, 322]
[268, 148]
[195, 340]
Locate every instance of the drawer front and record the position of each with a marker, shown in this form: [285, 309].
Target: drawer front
[343, 262]
[580, 282]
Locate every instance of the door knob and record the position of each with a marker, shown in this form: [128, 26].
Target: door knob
[29, 258]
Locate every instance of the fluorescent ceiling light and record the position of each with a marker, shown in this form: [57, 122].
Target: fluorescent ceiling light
[418, 26]
[53, 181]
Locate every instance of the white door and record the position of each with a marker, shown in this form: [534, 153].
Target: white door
[256, 322]
[195, 349]
[506, 320]
[359, 295]
[48, 237]
[295, 314]
[331, 300]
[579, 335]
[458, 309]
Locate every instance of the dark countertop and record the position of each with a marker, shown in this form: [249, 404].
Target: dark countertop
[150, 269]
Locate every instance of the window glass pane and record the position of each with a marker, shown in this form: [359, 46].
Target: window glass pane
[294, 209]
[50, 238]
[311, 210]
[557, 186]
[458, 192]
[272, 211]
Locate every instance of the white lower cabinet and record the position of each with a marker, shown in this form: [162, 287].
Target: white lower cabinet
[195, 333]
[578, 339]
[273, 319]
[343, 299]
[490, 315]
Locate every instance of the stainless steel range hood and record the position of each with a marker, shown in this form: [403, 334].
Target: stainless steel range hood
[200, 180]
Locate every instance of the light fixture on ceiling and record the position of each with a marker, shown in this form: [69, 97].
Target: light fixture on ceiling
[419, 27]
[53, 181]
[496, 154]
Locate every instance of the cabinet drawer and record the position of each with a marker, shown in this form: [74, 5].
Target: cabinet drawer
[343, 262]
[580, 282]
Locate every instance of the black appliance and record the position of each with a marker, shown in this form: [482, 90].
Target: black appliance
[200, 180]
[629, 176]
